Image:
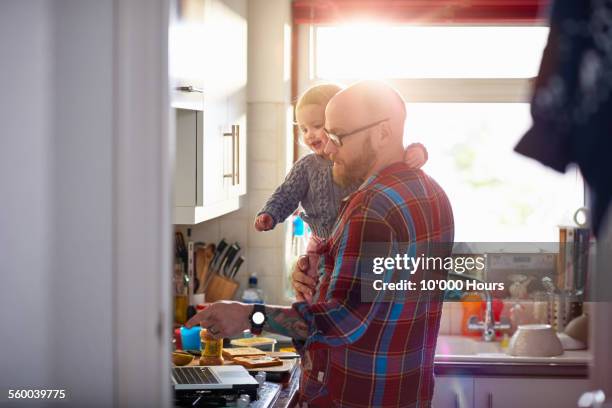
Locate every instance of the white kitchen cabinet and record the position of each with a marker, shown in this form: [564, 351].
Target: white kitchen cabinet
[211, 137]
[453, 392]
[189, 135]
[190, 174]
[528, 392]
[186, 52]
[225, 99]
[507, 392]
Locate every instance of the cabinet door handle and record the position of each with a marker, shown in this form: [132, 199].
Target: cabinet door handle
[232, 175]
[489, 400]
[237, 132]
[189, 88]
[456, 400]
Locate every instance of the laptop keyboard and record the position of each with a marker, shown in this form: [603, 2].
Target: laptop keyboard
[194, 375]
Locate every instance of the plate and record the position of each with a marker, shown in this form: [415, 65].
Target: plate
[264, 343]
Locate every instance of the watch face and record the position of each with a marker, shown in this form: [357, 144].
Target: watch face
[258, 318]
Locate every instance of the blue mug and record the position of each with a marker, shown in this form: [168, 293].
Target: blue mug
[191, 338]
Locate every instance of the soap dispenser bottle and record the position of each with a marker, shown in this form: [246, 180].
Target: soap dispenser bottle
[252, 294]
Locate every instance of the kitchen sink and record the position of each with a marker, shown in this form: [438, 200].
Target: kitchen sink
[472, 349]
[465, 346]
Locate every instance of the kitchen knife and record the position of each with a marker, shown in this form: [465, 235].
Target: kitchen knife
[230, 265]
[231, 252]
[219, 252]
[236, 266]
[229, 259]
[219, 264]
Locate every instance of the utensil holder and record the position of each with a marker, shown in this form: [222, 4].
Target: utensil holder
[221, 288]
[562, 308]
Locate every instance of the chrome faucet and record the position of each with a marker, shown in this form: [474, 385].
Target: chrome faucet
[489, 325]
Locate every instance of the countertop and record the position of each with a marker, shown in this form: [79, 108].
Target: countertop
[471, 355]
[459, 355]
[464, 356]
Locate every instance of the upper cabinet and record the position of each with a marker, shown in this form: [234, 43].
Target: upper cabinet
[233, 31]
[208, 42]
[186, 40]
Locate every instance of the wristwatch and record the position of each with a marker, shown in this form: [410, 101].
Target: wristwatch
[258, 318]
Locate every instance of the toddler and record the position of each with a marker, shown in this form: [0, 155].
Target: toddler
[310, 183]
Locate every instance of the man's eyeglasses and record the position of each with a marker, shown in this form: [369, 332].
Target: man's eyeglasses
[337, 139]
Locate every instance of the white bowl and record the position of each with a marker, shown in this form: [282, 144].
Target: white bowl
[535, 340]
[570, 343]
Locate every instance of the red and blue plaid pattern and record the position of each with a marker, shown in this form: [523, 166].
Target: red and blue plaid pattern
[376, 354]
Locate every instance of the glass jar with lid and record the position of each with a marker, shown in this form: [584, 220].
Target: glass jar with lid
[211, 348]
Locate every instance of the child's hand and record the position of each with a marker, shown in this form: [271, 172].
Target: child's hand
[415, 156]
[303, 284]
[264, 222]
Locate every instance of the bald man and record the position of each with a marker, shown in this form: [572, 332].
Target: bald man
[361, 346]
[375, 115]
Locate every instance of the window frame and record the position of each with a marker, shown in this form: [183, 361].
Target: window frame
[426, 90]
[463, 90]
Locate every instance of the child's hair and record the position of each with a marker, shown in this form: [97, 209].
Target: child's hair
[317, 95]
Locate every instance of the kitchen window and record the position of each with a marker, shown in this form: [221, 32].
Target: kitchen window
[468, 90]
[374, 51]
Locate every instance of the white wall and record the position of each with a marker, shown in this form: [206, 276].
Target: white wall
[268, 125]
[56, 93]
[81, 271]
[84, 167]
[48, 241]
[26, 210]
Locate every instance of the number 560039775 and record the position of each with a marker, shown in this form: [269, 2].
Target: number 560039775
[36, 394]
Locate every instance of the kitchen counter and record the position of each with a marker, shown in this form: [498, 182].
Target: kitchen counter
[471, 357]
[459, 355]
[465, 356]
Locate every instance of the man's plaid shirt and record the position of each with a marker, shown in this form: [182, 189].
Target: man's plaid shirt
[362, 353]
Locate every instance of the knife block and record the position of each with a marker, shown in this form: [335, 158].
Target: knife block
[221, 288]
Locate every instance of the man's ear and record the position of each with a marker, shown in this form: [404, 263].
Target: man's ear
[384, 134]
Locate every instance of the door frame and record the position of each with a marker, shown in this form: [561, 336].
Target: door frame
[143, 151]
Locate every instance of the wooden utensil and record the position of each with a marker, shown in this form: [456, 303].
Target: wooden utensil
[203, 258]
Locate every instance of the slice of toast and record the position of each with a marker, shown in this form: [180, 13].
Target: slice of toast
[232, 353]
[258, 361]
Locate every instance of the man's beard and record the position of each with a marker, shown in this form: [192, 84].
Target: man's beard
[349, 174]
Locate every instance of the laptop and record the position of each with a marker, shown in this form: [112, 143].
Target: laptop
[225, 379]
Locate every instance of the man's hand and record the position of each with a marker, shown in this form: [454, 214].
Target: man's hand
[303, 284]
[264, 222]
[223, 318]
[415, 156]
